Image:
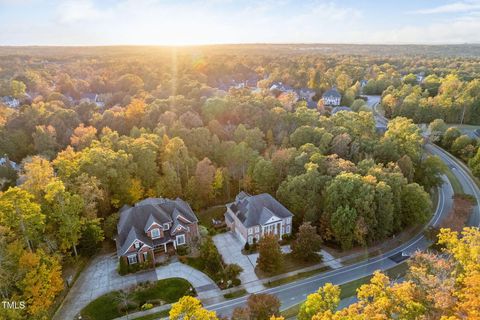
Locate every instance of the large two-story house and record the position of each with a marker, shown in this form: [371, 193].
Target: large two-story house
[332, 98]
[251, 217]
[154, 226]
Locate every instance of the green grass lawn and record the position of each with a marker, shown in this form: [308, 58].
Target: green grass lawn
[457, 187]
[168, 291]
[155, 316]
[235, 294]
[206, 216]
[298, 276]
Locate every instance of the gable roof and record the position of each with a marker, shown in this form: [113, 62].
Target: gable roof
[257, 209]
[135, 221]
[332, 93]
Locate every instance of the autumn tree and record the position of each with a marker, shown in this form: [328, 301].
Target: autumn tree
[307, 243]
[83, 136]
[270, 258]
[42, 281]
[190, 308]
[21, 216]
[325, 299]
[260, 306]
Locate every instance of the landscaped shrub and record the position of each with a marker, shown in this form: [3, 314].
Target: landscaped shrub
[123, 266]
[147, 306]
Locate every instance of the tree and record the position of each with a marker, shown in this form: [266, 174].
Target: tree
[437, 129]
[416, 205]
[474, 164]
[38, 173]
[21, 215]
[429, 172]
[42, 281]
[270, 258]
[307, 244]
[45, 141]
[325, 299]
[303, 195]
[17, 89]
[262, 306]
[190, 308]
[92, 235]
[83, 136]
[450, 136]
[264, 176]
[64, 211]
[343, 222]
[405, 135]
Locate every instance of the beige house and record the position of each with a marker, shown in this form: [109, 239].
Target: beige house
[251, 217]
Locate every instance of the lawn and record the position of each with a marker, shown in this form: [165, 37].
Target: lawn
[155, 316]
[457, 187]
[164, 291]
[206, 216]
[235, 294]
[206, 219]
[298, 276]
[290, 263]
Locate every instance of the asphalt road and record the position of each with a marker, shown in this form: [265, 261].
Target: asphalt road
[295, 292]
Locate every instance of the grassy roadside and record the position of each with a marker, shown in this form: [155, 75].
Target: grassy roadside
[350, 288]
[456, 185]
[155, 316]
[298, 276]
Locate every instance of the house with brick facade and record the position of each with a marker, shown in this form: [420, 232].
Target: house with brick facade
[251, 217]
[154, 226]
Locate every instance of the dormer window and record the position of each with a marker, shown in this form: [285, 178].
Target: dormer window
[155, 233]
[136, 245]
[165, 226]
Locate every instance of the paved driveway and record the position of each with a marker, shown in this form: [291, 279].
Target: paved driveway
[230, 247]
[101, 277]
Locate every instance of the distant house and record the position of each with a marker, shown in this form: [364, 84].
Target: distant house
[331, 97]
[8, 163]
[154, 226]
[341, 108]
[251, 217]
[93, 98]
[363, 83]
[306, 94]
[279, 87]
[10, 102]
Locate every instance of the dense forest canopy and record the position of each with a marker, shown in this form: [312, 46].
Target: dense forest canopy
[98, 128]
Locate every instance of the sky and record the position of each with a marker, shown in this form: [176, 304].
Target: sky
[191, 22]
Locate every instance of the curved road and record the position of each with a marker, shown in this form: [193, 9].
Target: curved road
[295, 292]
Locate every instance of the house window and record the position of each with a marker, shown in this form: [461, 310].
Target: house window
[250, 239]
[132, 259]
[257, 229]
[145, 256]
[155, 233]
[289, 220]
[250, 230]
[136, 245]
[288, 229]
[165, 226]
[180, 239]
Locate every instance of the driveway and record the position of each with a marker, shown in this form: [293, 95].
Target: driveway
[230, 247]
[101, 277]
